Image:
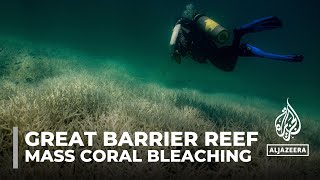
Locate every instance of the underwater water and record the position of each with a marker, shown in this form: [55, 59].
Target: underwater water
[135, 35]
[98, 65]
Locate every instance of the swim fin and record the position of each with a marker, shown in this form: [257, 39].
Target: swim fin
[262, 24]
[251, 51]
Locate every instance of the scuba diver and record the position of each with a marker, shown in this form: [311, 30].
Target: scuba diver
[204, 39]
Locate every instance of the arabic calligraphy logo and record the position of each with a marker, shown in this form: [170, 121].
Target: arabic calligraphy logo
[287, 123]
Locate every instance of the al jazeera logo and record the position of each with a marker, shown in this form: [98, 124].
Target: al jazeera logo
[287, 125]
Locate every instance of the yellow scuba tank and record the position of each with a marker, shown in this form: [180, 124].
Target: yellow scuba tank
[214, 30]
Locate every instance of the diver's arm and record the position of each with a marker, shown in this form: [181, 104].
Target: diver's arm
[178, 41]
[180, 26]
[175, 55]
[175, 34]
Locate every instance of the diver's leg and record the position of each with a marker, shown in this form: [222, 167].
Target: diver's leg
[262, 24]
[258, 25]
[251, 51]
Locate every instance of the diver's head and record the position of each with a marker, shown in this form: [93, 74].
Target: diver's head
[189, 12]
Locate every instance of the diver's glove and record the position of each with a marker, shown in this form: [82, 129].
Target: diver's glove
[176, 56]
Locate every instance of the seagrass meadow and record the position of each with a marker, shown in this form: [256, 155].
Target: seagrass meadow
[104, 66]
